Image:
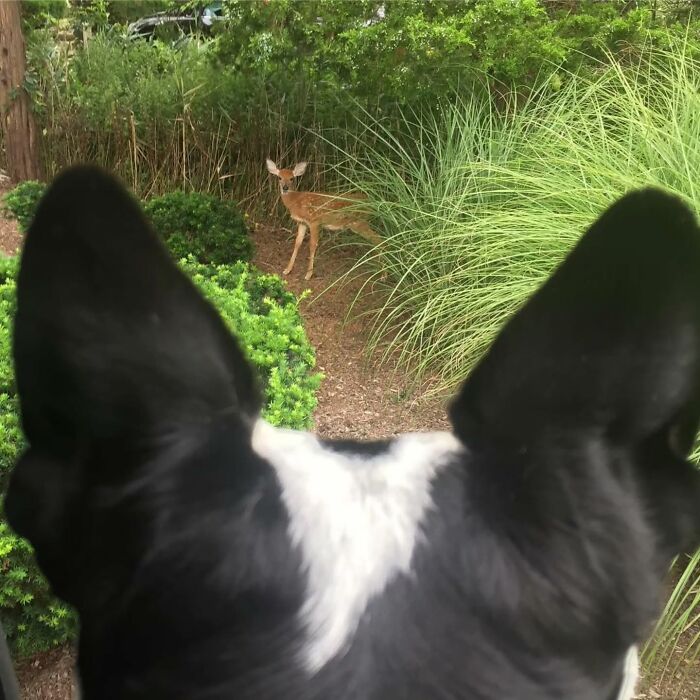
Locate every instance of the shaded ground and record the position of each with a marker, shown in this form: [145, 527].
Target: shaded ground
[48, 676]
[355, 401]
[10, 238]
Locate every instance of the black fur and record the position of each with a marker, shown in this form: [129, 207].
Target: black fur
[542, 558]
[371, 448]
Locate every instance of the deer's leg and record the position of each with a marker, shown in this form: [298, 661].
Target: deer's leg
[301, 232]
[365, 230]
[313, 244]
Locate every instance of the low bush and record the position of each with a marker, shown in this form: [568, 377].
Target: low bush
[210, 229]
[265, 318]
[261, 313]
[21, 202]
[8, 268]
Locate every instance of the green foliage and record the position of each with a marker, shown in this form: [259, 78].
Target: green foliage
[412, 51]
[125, 11]
[265, 318]
[203, 115]
[118, 77]
[153, 113]
[598, 29]
[211, 229]
[37, 13]
[21, 202]
[33, 619]
[418, 51]
[478, 206]
[97, 14]
[8, 268]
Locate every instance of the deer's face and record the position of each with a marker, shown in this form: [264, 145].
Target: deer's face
[285, 175]
[286, 178]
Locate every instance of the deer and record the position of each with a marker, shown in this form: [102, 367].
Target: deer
[315, 211]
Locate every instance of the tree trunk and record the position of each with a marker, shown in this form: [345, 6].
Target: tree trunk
[16, 117]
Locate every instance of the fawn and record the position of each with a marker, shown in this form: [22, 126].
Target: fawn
[315, 211]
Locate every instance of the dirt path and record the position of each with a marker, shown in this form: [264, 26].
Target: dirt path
[10, 238]
[355, 399]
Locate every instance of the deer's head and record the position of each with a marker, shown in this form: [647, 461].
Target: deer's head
[285, 175]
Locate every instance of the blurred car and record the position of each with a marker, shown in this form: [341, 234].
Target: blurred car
[181, 22]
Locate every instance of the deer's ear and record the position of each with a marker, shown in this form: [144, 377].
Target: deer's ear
[272, 167]
[300, 169]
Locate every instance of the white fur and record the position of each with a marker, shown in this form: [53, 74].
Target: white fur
[355, 519]
[630, 675]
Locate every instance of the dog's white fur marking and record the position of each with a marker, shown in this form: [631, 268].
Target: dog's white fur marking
[630, 675]
[356, 520]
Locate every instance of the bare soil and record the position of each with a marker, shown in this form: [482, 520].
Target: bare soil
[357, 399]
[10, 237]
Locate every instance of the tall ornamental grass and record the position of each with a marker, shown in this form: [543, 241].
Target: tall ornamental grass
[477, 207]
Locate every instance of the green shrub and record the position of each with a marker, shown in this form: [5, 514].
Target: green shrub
[261, 313]
[265, 318]
[191, 223]
[21, 202]
[210, 229]
[8, 268]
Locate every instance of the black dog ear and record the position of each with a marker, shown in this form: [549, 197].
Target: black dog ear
[606, 353]
[611, 342]
[111, 339]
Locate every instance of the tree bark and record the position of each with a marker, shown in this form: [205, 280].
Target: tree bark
[16, 117]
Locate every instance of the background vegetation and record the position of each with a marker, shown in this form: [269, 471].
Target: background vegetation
[487, 135]
[204, 115]
[478, 205]
[192, 223]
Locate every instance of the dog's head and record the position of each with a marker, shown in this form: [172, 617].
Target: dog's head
[160, 508]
